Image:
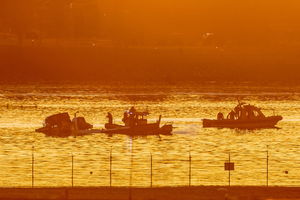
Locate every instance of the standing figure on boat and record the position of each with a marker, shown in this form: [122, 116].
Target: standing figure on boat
[132, 120]
[238, 111]
[132, 111]
[132, 117]
[231, 115]
[125, 118]
[110, 118]
[250, 111]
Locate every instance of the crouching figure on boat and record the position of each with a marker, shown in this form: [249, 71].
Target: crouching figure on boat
[136, 123]
[243, 117]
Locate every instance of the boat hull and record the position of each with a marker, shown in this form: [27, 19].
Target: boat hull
[55, 132]
[267, 122]
[147, 129]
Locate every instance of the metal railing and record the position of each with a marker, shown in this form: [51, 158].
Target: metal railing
[152, 170]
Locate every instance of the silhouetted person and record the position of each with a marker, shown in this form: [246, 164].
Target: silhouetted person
[132, 120]
[125, 118]
[110, 118]
[132, 110]
[243, 114]
[231, 115]
[220, 116]
[238, 111]
[132, 117]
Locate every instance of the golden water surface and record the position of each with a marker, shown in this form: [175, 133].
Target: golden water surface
[23, 107]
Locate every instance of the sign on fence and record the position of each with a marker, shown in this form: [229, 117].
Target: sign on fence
[229, 166]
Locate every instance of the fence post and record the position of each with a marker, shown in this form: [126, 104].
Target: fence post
[267, 171]
[190, 169]
[32, 167]
[72, 170]
[131, 168]
[229, 170]
[131, 172]
[151, 170]
[110, 167]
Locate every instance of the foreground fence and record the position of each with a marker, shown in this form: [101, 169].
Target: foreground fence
[149, 170]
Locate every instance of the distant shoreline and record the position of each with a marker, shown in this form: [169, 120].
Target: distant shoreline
[148, 64]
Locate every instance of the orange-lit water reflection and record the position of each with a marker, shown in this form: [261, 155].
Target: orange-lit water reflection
[23, 108]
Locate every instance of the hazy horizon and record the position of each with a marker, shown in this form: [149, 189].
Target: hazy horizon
[149, 40]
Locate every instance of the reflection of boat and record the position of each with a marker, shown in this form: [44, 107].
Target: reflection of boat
[243, 117]
[137, 124]
[60, 125]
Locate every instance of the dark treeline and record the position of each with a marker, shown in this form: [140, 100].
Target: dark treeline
[50, 18]
[150, 40]
[159, 22]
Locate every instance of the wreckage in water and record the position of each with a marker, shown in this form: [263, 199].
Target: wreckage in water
[61, 125]
[135, 124]
[243, 117]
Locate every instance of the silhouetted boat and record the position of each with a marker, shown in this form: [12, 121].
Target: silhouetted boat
[137, 124]
[243, 117]
[60, 125]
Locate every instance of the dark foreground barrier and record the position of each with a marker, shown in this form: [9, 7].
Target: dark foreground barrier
[164, 193]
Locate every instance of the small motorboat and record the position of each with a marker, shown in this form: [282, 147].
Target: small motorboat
[135, 123]
[61, 125]
[243, 117]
